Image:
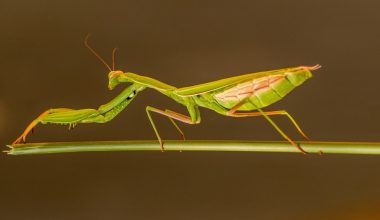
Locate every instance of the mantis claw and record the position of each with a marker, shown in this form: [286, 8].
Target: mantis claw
[162, 146]
[22, 137]
[301, 149]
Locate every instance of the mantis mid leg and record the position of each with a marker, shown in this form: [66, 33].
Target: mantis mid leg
[193, 119]
[176, 126]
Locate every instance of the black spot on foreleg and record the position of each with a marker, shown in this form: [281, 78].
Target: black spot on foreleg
[131, 95]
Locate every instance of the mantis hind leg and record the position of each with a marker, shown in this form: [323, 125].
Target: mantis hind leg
[260, 112]
[279, 112]
[194, 119]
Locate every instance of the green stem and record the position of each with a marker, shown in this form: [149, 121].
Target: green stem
[211, 145]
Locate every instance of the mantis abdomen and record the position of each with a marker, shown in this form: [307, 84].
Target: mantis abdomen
[259, 92]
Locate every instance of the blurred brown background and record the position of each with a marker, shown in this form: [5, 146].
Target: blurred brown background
[44, 64]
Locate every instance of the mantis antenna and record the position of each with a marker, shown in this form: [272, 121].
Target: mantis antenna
[113, 58]
[96, 54]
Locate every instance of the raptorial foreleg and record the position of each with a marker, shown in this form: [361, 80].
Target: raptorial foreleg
[56, 116]
[71, 117]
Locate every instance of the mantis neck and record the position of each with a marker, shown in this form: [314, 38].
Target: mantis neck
[147, 82]
[151, 83]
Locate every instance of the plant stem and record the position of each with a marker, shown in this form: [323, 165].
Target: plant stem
[200, 145]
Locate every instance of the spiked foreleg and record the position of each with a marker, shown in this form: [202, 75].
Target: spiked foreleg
[108, 116]
[56, 116]
[71, 117]
[113, 108]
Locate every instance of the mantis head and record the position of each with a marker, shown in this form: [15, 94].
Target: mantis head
[113, 78]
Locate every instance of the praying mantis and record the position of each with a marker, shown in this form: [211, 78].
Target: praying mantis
[240, 96]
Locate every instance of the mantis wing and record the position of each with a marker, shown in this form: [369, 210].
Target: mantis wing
[220, 84]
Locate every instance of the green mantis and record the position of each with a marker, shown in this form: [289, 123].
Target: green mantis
[239, 96]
